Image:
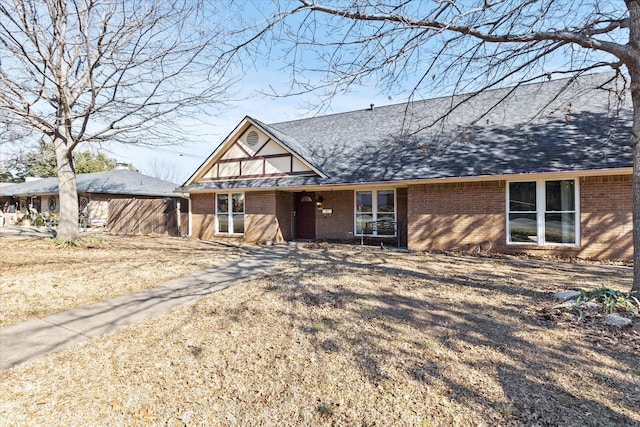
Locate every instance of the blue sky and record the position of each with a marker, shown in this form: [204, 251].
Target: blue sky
[269, 74]
[187, 158]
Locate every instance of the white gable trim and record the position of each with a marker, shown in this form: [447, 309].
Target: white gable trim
[234, 139]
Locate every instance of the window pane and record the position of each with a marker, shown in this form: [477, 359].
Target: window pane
[522, 196]
[222, 204]
[238, 223]
[523, 228]
[560, 228]
[364, 201]
[386, 201]
[560, 195]
[223, 223]
[238, 203]
[361, 220]
[222, 212]
[386, 217]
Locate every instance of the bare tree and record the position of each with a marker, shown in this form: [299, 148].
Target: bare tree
[10, 150]
[165, 170]
[104, 71]
[457, 47]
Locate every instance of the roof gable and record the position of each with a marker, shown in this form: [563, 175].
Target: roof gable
[252, 151]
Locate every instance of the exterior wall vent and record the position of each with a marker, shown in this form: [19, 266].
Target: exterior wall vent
[252, 138]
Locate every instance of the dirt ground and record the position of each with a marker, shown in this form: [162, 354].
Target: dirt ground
[341, 335]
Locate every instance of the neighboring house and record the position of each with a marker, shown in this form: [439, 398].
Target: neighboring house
[125, 201]
[541, 174]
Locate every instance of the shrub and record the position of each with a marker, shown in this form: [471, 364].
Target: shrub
[611, 300]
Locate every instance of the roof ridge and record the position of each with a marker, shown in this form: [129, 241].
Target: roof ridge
[439, 98]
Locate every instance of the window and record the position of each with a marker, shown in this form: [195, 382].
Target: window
[230, 213]
[375, 205]
[543, 212]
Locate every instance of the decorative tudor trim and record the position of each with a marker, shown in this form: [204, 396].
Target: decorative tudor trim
[234, 157]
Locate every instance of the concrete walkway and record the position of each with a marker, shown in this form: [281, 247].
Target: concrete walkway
[31, 339]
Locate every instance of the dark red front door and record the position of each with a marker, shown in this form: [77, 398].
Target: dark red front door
[305, 215]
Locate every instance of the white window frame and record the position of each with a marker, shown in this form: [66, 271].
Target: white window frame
[541, 211]
[374, 209]
[229, 213]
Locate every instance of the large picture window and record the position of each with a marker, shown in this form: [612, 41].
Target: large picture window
[375, 205]
[543, 212]
[230, 213]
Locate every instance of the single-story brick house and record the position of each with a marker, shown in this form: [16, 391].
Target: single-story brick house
[542, 173]
[123, 200]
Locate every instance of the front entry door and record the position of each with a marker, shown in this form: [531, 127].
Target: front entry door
[305, 215]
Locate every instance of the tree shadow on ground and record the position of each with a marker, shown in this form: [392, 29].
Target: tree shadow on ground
[463, 325]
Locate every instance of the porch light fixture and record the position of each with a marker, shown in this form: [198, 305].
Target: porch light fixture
[319, 201]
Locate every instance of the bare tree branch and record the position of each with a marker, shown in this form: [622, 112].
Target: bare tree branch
[106, 71]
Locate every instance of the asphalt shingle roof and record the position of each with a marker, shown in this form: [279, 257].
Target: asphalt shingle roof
[534, 130]
[114, 182]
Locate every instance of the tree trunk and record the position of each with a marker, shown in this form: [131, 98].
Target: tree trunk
[633, 65]
[68, 193]
[635, 146]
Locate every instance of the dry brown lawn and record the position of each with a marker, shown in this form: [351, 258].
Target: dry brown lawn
[38, 278]
[344, 336]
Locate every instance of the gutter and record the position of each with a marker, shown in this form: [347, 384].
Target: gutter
[425, 181]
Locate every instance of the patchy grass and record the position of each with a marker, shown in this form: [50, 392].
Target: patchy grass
[343, 336]
[38, 277]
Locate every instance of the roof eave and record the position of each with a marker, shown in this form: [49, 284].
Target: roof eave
[423, 181]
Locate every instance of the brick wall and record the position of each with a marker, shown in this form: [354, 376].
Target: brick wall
[337, 225]
[260, 220]
[284, 213]
[203, 216]
[456, 215]
[605, 216]
[466, 215]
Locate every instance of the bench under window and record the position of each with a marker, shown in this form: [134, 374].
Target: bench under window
[381, 229]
